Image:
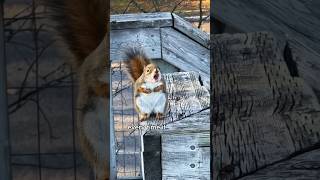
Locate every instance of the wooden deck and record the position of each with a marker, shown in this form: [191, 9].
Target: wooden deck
[293, 20]
[163, 36]
[175, 45]
[180, 148]
[266, 119]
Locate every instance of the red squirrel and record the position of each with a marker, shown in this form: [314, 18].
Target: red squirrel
[149, 88]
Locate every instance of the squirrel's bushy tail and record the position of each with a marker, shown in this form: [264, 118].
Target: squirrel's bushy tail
[81, 23]
[135, 62]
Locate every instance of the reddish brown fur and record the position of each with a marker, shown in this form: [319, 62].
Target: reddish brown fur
[143, 90]
[81, 23]
[159, 88]
[136, 61]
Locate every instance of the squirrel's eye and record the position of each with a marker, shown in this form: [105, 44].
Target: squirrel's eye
[148, 70]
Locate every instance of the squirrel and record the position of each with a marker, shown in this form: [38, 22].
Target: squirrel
[83, 27]
[149, 88]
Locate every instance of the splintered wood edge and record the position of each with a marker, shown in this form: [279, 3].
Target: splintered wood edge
[194, 33]
[184, 53]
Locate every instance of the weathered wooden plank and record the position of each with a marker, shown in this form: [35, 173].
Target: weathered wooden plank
[304, 166]
[186, 155]
[181, 142]
[194, 33]
[186, 54]
[186, 165]
[152, 169]
[296, 20]
[142, 20]
[151, 157]
[185, 138]
[261, 113]
[147, 38]
[188, 102]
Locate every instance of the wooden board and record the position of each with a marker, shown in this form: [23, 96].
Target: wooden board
[299, 21]
[261, 113]
[194, 33]
[184, 53]
[303, 166]
[186, 165]
[146, 38]
[151, 157]
[185, 140]
[143, 20]
[187, 101]
[162, 36]
[186, 156]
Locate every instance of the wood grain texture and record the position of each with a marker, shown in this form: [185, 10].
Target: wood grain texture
[187, 101]
[296, 20]
[185, 140]
[186, 165]
[304, 166]
[179, 43]
[261, 114]
[194, 33]
[146, 38]
[186, 155]
[186, 125]
[142, 20]
[184, 53]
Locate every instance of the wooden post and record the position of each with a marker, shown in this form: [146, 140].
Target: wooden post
[113, 162]
[111, 136]
[151, 157]
[4, 134]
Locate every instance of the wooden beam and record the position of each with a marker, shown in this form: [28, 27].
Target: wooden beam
[295, 20]
[186, 155]
[112, 135]
[261, 113]
[184, 53]
[146, 38]
[151, 157]
[4, 123]
[142, 20]
[302, 166]
[194, 33]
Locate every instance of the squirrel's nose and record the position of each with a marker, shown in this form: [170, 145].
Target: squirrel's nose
[156, 70]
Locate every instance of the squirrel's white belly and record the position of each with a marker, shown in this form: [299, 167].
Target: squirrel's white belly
[153, 102]
[151, 85]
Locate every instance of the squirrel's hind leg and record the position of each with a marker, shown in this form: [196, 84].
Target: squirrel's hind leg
[144, 108]
[160, 107]
[143, 116]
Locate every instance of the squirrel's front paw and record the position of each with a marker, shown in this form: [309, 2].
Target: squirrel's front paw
[144, 90]
[159, 116]
[144, 116]
[147, 91]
